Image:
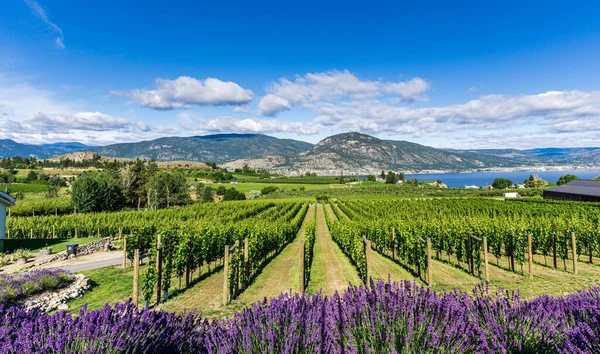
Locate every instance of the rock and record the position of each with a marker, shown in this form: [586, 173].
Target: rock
[62, 307]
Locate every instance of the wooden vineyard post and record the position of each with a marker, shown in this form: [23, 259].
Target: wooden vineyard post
[226, 276]
[367, 245]
[393, 244]
[31, 233]
[158, 268]
[302, 265]
[136, 275]
[187, 264]
[429, 270]
[554, 251]
[53, 232]
[486, 272]
[246, 264]
[98, 233]
[470, 257]
[124, 252]
[120, 232]
[530, 255]
[574, 249]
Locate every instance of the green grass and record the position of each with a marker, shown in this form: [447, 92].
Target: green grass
[250, 186]
[109, 285]
[35, 244]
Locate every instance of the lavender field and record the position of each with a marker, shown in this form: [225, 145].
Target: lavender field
[391, 318]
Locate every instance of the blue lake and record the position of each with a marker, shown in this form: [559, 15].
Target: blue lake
[459, 180]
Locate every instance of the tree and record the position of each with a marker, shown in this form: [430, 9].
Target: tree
[233, 194]
[401, 176]
[207, 195]
[534, 181]
[168, 189]
[52, 191]
[502, 183]
[371, 178]
[221, 190]
[97, 191]
[382, 175]
[566, 179]
[31, 176]
[391, 178]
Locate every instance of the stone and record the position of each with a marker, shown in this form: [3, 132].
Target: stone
[62, 307]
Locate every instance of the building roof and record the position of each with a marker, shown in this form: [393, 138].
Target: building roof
[7, 199]
[578, 187]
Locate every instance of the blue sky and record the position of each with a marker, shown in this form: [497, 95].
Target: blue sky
[468, 74]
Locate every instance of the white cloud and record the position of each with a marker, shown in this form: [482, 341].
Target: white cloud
[248, 125]
[41, 13]
[486, 111]
[241, 109]
[185, 91]
[271, 105]
[335, 85]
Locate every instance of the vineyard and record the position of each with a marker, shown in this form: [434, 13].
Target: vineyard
[459, 230]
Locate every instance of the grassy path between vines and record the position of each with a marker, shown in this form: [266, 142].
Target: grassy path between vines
[282, 274]
[448, 276]
[331, 270]
[380, 266]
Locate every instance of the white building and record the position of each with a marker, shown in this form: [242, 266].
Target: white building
[511, 195]
[5, 201]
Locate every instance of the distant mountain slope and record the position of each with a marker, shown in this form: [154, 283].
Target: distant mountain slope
[10, 148]
[217, 148]
[544, 156]
[360, 151]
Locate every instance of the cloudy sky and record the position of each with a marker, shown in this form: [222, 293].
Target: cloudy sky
[448, 74]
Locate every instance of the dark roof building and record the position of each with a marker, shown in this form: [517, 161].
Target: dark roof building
[582, 190]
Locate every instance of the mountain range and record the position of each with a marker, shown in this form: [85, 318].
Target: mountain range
[346, 152]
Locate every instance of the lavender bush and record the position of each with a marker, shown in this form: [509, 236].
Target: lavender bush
[15, 287]
[388, 318]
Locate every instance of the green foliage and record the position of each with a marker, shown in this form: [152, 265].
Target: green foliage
[31, 176]
[206, 195]
[371, 178]
[322, 198]
[233, 194]
[391, 178]
[566, 179]
[166, 189]
[97, 191]
[268, 189]
[502, 183]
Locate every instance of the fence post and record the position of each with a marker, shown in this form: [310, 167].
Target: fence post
[486, 271]
[367, 261]
[574, 249]
[136, 275]
[98, 234]
[187, 264]
[393, 243]
[124, 252]
[429, 270]
[246, 264]
[75, 232]
[31, 233]
[158, 268]
[53, 232]
[554, 251]
[226, 276]
[302, 265]
[530, 255]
